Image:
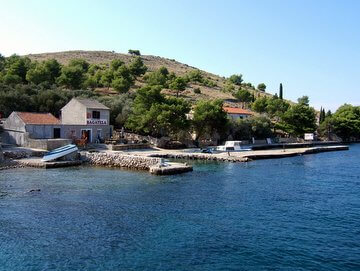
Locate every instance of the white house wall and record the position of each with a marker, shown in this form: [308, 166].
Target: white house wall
[14, 123]
[14, 130]
[73, 113]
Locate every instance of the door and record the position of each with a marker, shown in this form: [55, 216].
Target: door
[99, 136]
[86, 134]
[57, 132]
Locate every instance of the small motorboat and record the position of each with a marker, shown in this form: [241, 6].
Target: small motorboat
[60, 152]
[232, 146]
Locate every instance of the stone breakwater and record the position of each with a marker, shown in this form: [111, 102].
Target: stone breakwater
[19, 154]
[9, 164]
[202, 156]
[119, 160]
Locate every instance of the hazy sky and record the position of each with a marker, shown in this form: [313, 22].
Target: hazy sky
[312, 47]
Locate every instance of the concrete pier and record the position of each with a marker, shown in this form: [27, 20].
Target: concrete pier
[170, 168]
[200, 156]
[243, 156]
[153, 165]
[294, 145]
[271, 154]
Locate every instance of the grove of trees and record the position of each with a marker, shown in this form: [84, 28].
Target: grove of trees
[47, 86]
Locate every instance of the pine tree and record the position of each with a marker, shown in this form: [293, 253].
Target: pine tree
[320, 115]
[281, 91]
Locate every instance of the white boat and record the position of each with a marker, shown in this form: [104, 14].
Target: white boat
[232, 146]
[60, 152]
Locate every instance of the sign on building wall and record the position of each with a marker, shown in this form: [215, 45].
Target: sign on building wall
[96, 122]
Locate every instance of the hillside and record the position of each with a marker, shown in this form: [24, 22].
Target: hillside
[153, 63]
[39, 83]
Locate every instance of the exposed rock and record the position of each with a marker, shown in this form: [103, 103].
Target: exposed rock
[19, 154]
[201, 156]
[119, 160]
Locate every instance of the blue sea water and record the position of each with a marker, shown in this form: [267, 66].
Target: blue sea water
[300, 213]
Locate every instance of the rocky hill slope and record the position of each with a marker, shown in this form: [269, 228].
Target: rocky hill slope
[153, 63]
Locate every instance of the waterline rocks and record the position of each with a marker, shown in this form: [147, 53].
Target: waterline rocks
[10, 164]
[119, 160]
[20, 153]
[201, 156]
[170, 168]
[153, 165]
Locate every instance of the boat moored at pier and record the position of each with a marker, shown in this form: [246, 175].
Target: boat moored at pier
[233, 146]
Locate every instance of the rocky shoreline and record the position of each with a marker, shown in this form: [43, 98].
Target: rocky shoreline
[119, 160]
[152, 161]
[198, 156]
[10, 164]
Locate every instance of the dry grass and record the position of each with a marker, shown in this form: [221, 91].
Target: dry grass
[153, 63]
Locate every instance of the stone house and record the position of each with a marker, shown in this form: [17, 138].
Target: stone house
[80, 119]
[36, 130]
[20, 125]
[235, 113]
[85, 118]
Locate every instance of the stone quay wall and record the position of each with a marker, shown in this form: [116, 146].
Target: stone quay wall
[201, 156]
[119, 160]
[21, 153]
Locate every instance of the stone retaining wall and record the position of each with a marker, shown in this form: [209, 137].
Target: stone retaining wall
[19, 154]
[119, 160]
[47, 144]
[201, 156]
[122, 147]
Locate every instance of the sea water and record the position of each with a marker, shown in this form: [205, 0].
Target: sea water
[300, 213]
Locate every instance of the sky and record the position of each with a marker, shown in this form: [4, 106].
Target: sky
[311, 47]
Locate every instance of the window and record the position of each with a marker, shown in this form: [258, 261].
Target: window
[96, 114]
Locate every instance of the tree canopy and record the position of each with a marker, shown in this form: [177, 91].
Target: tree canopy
[261, 87]
[246, 129]
[209, 117]
[157, 115]
[346, 122]
[178, 84]
[243, 95]
[299, 119]
[236, 79]
[134, 52]
[260, 105]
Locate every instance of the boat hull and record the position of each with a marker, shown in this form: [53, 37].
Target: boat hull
[60, 152]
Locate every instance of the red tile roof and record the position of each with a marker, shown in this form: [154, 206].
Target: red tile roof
[38, 118]
[235, 110]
